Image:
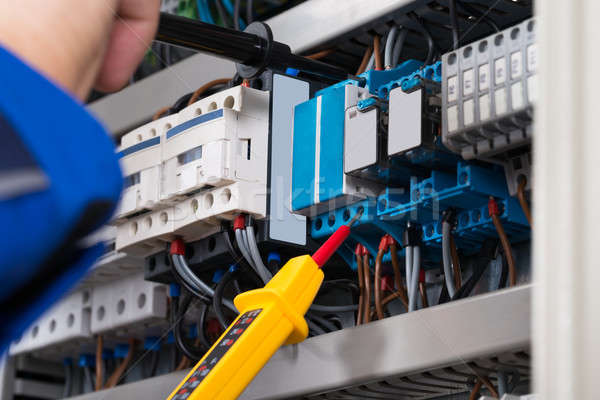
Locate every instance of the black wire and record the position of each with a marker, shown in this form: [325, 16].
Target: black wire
[431, 47]
[218, 297]
[201, 323]
[178, 311]
[236, 15]
[444, 296]
[249, 12]
[221, 11]
[68, 380]
[153, 364]
[504, 273]
[486, 254]
[479, 15]
[454, 23]
[87, 371]
[180, 104]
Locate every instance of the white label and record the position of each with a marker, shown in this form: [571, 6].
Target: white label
[468, 82]
[500, 98]
[452, 118]
[484, 77]
[484, 107]
[516, 64]
[516, 92]
[532, 88]
[452, 88]
[500, 71]
[531, 57]
[469, 112]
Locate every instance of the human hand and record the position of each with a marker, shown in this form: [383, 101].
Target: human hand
[80, 44]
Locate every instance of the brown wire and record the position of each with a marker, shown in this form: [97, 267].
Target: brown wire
[397, 275]
[455, 263]
[423, 291]
[378, 291]
[99, 363]
[196, 95]
[367, 300]
[523, 200]
[475, 391]
[320, 54]
[159, 113]
[488, 384]
[512, 271]
[365, 60]
[118, 373]
[377, 51]
[361, 287]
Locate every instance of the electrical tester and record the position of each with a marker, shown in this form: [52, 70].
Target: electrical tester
[269, 318]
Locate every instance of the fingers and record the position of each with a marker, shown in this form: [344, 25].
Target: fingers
[132, 34]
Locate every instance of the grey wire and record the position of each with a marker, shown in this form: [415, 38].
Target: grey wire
[262, 270]
[89, 378]
[315, 328]
[414, 290]
[447, 259]
[398, 46]
[502, 383]
[408, 256]
[243, 249]
[389, 44]
[186, 272]
[68, 381]
[333, 309]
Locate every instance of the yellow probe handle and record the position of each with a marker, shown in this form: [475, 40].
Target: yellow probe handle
[270, 317]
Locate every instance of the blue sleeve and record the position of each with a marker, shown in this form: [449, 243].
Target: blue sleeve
[59, 181]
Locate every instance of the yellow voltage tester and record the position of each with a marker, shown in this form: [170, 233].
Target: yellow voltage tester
[269, 318]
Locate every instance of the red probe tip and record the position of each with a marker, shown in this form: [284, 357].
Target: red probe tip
[331, 245]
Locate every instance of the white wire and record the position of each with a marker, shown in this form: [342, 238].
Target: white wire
[408, 255]
[262, 270]
[414, 290]
[398, 45]
[389, 43]
[447, 259]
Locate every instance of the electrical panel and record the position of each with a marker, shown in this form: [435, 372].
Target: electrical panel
[429, 157]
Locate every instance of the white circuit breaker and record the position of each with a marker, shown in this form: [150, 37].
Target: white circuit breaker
[197, 167]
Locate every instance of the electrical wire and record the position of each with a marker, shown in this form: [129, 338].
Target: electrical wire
[249, 11]
[222, 14]
[312, 327]
[154, 358]
[263, 271]
[483, 259]
[99, 363]
[227, 277]
[423, 292]
[236, 15]
[160, 113]
[208, 85]
[365, 60]
[67, 389]
[327, 325]
[512, 270]
[114, 379]
[455, 263]
[408, 264]
[201, 323]
[414, 290]
[488, 384]
[447, 257]
[320, 54]
[389, 45]
[377, 52]
[241, 261]
[367, 302]
[361, 287]
[475, 390]
[430, 43]
[87, 372]
[397, 275]
[454, 23]
[398, 46]
[239, 238]
[333, 309]
[178, 314]
[523, 200]
[377, 284]
[182, 281]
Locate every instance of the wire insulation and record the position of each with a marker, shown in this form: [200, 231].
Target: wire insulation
[377, 284]
[523, 200]
[447, 258]
[389, 47]
[99, 363]
[512, 270]
[263, 271]
[367, 276]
